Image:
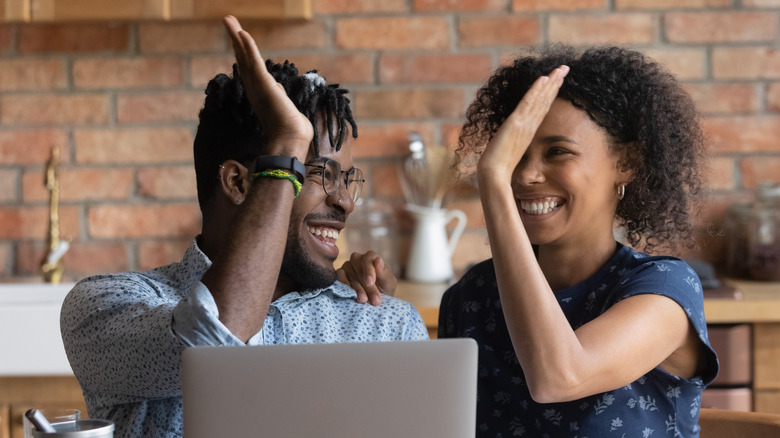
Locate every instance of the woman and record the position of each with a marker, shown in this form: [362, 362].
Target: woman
[581, 335]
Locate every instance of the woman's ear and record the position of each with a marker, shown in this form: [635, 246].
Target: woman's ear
[627, 163]
[234, 181]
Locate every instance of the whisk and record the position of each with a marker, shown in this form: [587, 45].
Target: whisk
[426, 173]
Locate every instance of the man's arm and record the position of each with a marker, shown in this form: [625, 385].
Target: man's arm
[245, 271]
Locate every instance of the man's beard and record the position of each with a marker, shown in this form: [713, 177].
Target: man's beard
[300, 268]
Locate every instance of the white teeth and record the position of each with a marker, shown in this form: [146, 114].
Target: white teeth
[538, 207]
[324, 232]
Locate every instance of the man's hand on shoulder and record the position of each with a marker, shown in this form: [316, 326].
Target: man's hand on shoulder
[368, 274]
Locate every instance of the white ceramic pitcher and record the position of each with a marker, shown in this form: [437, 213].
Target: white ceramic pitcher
[430, 256]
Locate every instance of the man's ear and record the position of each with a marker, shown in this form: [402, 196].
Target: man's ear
[234, 181]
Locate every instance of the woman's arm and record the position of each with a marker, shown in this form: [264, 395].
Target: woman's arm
[559, 363]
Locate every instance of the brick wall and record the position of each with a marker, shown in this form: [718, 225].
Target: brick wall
[120, 100]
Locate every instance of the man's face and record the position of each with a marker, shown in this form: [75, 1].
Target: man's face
[316, 221]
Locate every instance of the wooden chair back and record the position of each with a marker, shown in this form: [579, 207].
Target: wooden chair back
[720, 423]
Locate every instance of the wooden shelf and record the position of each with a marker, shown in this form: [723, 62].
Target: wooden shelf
[101, 10]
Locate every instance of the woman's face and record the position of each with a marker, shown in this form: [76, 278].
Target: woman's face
[566, 184]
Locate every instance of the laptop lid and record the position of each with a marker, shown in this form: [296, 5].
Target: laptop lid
[382, 389]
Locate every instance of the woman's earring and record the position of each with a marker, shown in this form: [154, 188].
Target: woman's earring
[621, 192]
[239, 201]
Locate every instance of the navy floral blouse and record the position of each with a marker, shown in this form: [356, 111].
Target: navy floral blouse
[656, 405]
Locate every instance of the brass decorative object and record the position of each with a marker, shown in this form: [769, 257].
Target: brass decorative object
[52, 266]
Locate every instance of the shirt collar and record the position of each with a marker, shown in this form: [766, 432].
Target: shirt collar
[338, 289]
[195, 260]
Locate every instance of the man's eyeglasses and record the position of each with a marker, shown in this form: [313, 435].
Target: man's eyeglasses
[331, 173]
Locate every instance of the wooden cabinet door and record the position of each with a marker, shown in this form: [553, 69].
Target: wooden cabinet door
[268, 9]
[66, 10]
[15, 10]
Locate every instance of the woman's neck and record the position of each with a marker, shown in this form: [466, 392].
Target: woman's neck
[567, 265]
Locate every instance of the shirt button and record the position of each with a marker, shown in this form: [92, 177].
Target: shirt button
[272, 311]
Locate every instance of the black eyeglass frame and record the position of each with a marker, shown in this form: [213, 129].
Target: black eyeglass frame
[352, 178]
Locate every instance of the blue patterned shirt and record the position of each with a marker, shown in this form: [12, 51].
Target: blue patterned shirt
[124, 335]
[657, 404]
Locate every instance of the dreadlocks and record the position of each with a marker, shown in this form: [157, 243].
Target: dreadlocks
[228, 128]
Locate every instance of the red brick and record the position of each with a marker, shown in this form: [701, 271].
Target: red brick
[670, 4]
[166, 106]
[32, 147]
[760, 3]
[612, 29]
[159, 220]
[322, 7]
[433, 68]
[32, 74]
[458, 5]
[92, 73]
[336, 68]
[745, 63]
[742, 134]
[388, 139]
[418, 32]
[384, 180]
[204, 68]
[133, 145]
[560, 5]
[78, 184]
[682, 63]
[450, 134]
[710, 27]
[180, 37]
[724, 98]
[472, 207]
[6, 37]
[9, 185]
[341, 69]
[408, 104]
[82, 259]
[720, 174]
[167, 182]
[155, 253]
[72, 38]
[54, 109]
[473, 247]
[756, 170]
[285, 35]
[33, 222]
[498, 31]
[773, 98]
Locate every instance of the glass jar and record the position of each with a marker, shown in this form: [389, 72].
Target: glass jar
[753, 236]
[372, 227]
[764, 242]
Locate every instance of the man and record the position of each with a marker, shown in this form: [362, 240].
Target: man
[261, 272]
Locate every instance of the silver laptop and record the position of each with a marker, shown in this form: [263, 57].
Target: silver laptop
[425, 389]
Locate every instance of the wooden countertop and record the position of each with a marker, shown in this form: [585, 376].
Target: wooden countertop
[759, 302]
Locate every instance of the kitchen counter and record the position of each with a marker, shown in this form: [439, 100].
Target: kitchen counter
[30, 341]
[759, 302]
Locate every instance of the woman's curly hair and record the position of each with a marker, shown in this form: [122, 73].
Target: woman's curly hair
[642, 108]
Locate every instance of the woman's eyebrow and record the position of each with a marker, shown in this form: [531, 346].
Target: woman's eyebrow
[558, 138]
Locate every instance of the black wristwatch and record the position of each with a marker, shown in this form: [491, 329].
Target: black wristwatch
[265, 162]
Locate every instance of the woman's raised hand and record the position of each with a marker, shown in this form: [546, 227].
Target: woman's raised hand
[510, 142]
[288, 131]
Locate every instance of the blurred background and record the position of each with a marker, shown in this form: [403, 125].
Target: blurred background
[120, 98]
